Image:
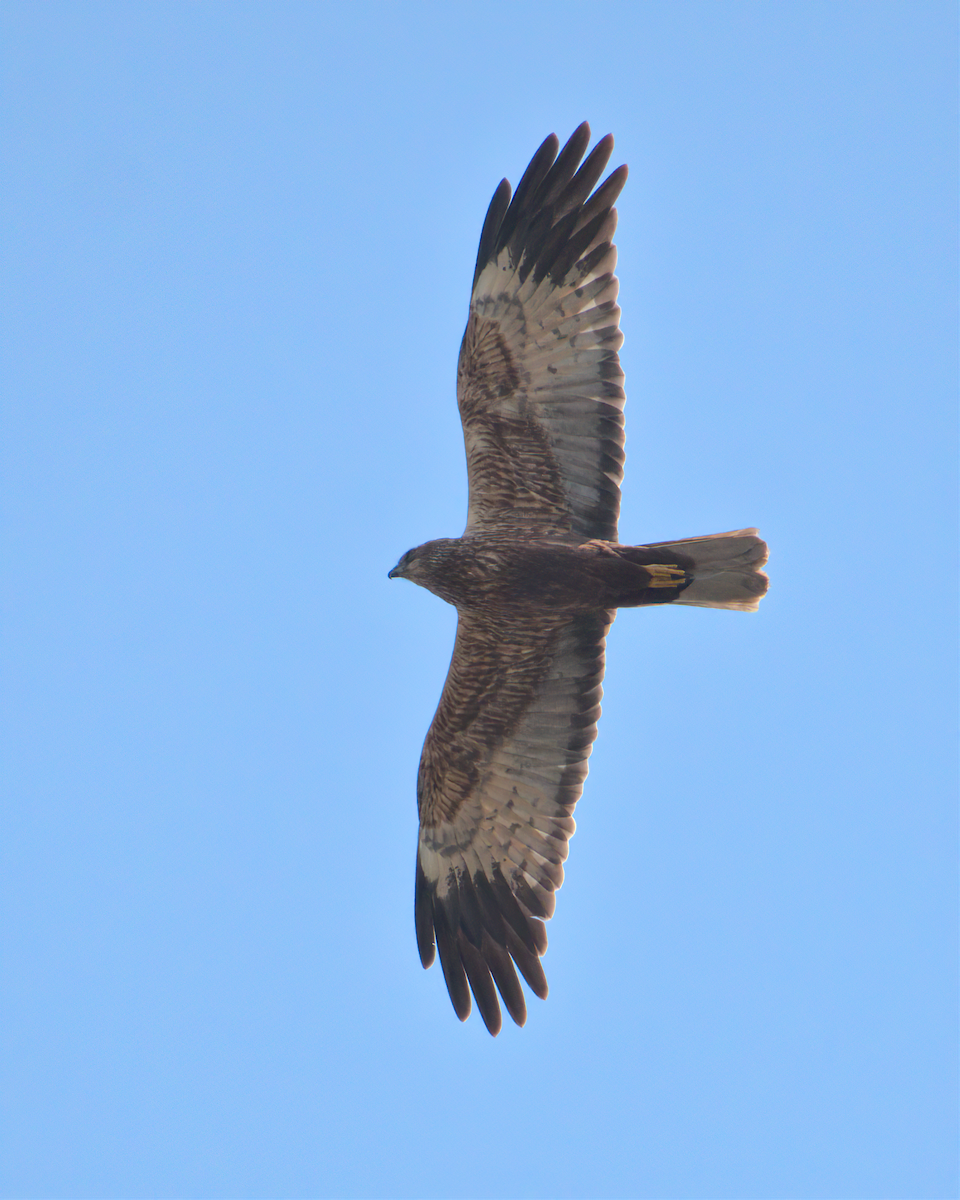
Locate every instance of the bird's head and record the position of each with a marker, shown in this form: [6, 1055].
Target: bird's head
[400, 571]
[428, 565]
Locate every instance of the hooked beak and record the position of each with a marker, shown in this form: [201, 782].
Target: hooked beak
[393, 574]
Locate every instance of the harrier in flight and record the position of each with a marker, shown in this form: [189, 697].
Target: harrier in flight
[537, 577]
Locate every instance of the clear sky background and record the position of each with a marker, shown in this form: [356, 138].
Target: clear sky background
[239, 244]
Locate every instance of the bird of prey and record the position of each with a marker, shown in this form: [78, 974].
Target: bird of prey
[537, 577]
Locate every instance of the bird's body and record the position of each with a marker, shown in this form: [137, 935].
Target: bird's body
[511, 575]
[536, 578]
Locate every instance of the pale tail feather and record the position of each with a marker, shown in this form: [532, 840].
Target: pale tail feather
[727, 569]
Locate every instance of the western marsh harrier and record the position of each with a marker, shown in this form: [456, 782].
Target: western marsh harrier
[537, 577]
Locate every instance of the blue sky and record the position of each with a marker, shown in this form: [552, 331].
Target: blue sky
[240, 240]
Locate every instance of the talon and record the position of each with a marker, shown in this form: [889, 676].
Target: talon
[662, 576]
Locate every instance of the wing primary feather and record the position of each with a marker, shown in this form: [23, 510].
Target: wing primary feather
[471, 921]
[493, 921]
[563, 190]
[539, 935]
[560, 174]
[423, 916]
[529, 898]
[590, 171]
[481, 984]
[526, 203]
[491, 227]
[528, 964]
[540, 164]
[591, 261]
[604, 198]
[512, 913]
[563, 216]
[450, 960]
[578, 244]
[545, 244]
[505, 977]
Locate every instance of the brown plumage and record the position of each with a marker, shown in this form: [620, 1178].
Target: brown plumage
[536, 578]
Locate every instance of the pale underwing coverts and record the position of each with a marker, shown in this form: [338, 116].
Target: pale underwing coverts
[537, 577]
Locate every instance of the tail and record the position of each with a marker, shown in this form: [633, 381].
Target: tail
[720, 571]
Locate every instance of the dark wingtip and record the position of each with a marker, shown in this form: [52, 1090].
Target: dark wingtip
[491, 226]
[620, 175]
[480, 933]
[550, 219]
[423, 917]
[481, 984]
[550, 145]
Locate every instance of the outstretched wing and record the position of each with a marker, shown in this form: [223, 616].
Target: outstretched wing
[539, 383]
[502, 767]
